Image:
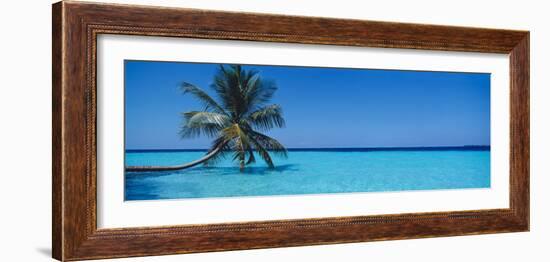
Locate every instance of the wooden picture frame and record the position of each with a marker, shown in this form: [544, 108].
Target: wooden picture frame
[76, 26]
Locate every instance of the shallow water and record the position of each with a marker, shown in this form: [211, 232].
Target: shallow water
[309, 172]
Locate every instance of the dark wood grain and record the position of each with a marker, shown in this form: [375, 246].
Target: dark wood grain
[76, 26]
[57, 198]
[519, 129]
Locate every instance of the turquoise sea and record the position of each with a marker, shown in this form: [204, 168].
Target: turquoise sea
[311, 171]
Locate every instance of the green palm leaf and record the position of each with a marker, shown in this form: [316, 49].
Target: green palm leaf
[205, 123]
[267, 117]
[208, 102]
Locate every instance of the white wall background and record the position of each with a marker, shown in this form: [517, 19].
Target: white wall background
[25, 119]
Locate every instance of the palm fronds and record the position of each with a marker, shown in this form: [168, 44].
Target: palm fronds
[234, 120]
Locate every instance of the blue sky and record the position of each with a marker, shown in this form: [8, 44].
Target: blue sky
[323, 107]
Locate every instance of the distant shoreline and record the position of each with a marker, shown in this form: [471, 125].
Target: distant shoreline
[343, 149]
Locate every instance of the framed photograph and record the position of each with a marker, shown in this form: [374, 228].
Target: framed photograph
[181, 130]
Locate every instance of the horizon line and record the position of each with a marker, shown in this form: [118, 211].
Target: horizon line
[325, 148]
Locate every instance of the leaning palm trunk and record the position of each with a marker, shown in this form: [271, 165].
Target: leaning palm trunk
[201, 160]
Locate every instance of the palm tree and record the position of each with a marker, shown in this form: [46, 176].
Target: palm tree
[236, 121]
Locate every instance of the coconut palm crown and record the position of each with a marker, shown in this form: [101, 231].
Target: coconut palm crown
[237, 118]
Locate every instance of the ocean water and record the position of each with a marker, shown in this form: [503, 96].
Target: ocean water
[318, 171]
